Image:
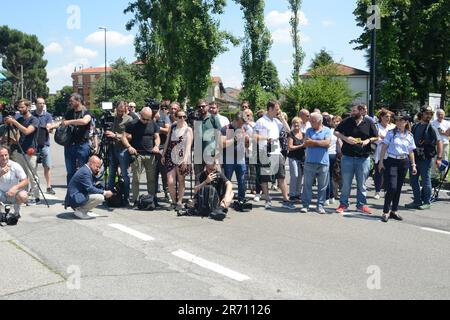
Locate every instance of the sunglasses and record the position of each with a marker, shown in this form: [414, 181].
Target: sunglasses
[202, 106]
[182, 117]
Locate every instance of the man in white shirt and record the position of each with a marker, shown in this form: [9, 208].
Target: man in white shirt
[214, 111]
[268, 130]
[306, 124]
[442, 126]
[13, 181]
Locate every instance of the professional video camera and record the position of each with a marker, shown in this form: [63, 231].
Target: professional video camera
[152, 104]
[7, 111]
[192, 116]
[107, 121]
[9, 218]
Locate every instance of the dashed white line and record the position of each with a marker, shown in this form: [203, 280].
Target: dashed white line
[132, 232]
[436, 230]
[211, 266]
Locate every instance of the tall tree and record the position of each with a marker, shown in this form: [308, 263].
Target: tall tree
[299, 55]
[413, 59]
[178, 42]
[321, 59]
[255, 55]
[18, 49]
[61, 101]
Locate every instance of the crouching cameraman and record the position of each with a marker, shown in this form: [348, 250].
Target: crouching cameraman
[214, 194]
[13, 182]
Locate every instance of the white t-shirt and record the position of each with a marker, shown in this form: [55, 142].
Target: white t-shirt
[333, 147]
[382, 132]
[223, 121]
[305, 126]
[13, 177]
[269, 128]
[444, 125]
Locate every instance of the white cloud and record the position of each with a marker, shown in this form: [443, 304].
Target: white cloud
[61, 76]
[53, 48]
[84, 52]
[327, 23]
[283, 36]
[113, 39]
[276, 19]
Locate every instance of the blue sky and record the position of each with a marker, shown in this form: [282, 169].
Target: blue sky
[73, 43]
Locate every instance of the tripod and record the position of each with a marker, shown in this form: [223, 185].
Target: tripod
[438, 188]
[33, 174]
[104, 152]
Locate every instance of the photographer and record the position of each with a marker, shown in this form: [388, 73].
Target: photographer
[43, 140]
[118, 154]
[27, 152]
[82, 195]
[76, 152]
[142, 142]
[13, 182]
[214, 193]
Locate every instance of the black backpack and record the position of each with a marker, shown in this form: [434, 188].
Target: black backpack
[207, 200]
[146, 202]
[118, 198]
[63, 136]
[425, 149]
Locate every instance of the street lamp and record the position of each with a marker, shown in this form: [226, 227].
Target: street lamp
[106, 81]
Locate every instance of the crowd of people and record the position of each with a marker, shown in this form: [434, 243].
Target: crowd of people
[324, 152]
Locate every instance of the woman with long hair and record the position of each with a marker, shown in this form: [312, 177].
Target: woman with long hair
[296, 158]
[177, 157]
[397, 153]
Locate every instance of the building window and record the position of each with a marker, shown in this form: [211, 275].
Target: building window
[80, 80]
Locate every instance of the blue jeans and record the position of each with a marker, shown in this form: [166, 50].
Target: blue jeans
[310, 173]
[296, 178]
[240, 170]
[423, 171]
[330, 189]
[75, 156]
[119, 158]
[360, 168]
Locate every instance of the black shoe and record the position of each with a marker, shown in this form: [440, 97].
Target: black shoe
[51, 191]
[396, 216]
[218, 215]
[385, 217]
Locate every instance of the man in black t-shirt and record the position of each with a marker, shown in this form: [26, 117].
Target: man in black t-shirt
[77, 151]
[27, 126]
[142, 141]
[357, 133]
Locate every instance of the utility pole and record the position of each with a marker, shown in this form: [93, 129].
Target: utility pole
[21, 80]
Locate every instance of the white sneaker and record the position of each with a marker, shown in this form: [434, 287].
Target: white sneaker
[268, 205]
[257, 198]
[321, 210]
[332, 201]
[82, 215]
[327, 203]
[304, 210]
[377, 196]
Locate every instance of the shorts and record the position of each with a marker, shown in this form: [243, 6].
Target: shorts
[276, 168]
[46, 157]
[6, 199]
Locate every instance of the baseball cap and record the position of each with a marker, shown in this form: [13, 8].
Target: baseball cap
[426, 109]
[403, 115]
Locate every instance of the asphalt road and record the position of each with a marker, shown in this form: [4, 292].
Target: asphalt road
[125, 254]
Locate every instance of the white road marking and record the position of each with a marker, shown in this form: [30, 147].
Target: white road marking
[436, 230]
[210, 266]
[132, 232]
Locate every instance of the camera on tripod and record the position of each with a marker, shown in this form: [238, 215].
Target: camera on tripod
[7, 217]
[152, 104]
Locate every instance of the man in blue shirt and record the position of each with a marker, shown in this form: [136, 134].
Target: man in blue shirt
[43, 140]
[27, 126]
[317, 143]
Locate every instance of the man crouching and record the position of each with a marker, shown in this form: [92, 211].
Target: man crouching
[13, 181]
[82, 194]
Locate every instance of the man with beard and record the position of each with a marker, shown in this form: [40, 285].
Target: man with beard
[356, 133]
[82, 194]
[26, 154]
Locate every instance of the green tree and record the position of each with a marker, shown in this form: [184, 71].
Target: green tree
[61, 101]
[255, 56]
[299, 55]
[19, 49]
[126, 82]
[413, 59]
[321, 59]
[178, 42]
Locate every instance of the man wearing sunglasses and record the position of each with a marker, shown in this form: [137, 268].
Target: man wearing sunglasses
[142, 141]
